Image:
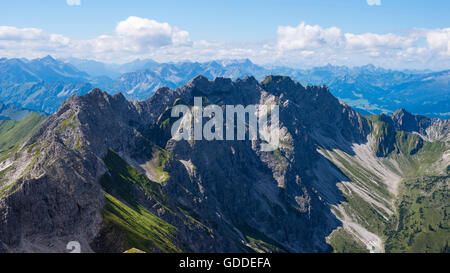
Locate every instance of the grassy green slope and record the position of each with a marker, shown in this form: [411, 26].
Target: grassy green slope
[343, 242]
[137, 227]
[12, 133]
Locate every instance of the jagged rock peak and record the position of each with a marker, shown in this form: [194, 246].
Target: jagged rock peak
[284, 81]
[207, 87]
[198, 80]
[250, 79]
[96, 95]
[280, 84]
[276, 79]
[49, 59]
[119, 96]
[96, 91]
[399, 113]
[222, 80]
[406, 121]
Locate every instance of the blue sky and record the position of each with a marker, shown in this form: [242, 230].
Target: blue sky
[235, 29]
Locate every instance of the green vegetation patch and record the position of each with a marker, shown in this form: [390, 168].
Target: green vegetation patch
[6, 190]
[140, 228]
[4, 172]
[13, 133]
[407, 143]
[422, 222]
[384, 134]
[343, 242]
[421, 162]
[123, 179]
[68, 123]
[160, 158]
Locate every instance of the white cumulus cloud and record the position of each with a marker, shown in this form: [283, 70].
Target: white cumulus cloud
[138, 36]
[146, 33]
[14, 41]
[303, 37]
[73, 2]
[439, 41]
[307, 37]
[372, 40]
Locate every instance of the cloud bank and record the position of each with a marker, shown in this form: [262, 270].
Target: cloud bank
[301, 46]
[305, 36]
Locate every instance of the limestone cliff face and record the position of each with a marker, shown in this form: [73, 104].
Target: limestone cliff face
[104, 171]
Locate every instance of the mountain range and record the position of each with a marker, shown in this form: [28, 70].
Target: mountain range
[104, 171]
[40, 85]
[43, 84]
[12, 112]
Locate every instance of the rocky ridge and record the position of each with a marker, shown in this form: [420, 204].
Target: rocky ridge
[101, 166]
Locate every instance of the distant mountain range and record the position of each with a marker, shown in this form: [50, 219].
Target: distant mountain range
[12, 112]
[44, 69]
[97, 69]
[43, 84]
